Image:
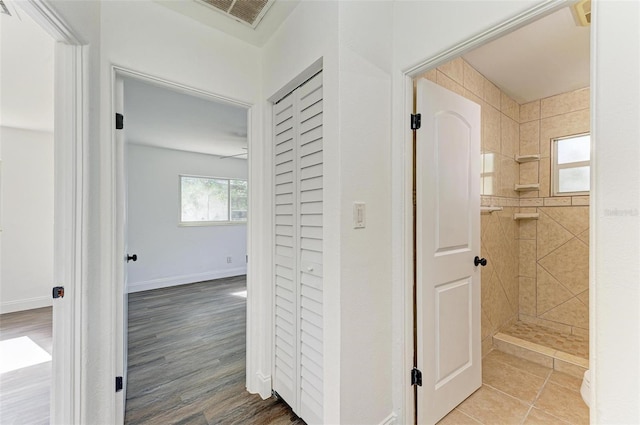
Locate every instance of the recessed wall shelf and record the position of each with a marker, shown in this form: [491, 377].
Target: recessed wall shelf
[526, 216]
[527, 158]
[527, 187]
[490, 209]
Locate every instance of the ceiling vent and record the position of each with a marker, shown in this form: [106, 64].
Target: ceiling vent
[248, 12]
[582, 12]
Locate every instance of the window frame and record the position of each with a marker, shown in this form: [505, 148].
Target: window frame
[555, 167]
[227, 222]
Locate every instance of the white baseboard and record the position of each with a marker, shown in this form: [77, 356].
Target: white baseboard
[389, 420]
[183, 279]
[28, 304]
[263, 386]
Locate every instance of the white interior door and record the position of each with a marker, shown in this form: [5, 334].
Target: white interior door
[448, 240]
[298, 185]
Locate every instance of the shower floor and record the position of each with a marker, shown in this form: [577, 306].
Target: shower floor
[575, 345]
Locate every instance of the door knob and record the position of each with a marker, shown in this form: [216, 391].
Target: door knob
[133, 257]
[476, 261]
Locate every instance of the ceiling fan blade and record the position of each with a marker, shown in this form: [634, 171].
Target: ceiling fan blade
[233, 156]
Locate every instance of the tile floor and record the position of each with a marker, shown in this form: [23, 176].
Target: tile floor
[572, 344]
[517, 391]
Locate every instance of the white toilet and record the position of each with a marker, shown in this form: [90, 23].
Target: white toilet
[585, 388]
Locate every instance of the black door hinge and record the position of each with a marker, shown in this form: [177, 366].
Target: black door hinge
[416, 120]
[58, 292]
[119, 121]
[118, 383]
[416, 377]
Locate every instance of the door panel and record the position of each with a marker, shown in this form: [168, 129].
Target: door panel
[298, 363]
[452, 146]
[447, 240]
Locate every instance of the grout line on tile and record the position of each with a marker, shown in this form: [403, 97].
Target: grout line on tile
[502, 392]
[544, 384]
[564, 113]
[473, 418]
[551, 274]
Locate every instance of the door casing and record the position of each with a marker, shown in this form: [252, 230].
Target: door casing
[254, 324]
[404, 262]
[70, 146]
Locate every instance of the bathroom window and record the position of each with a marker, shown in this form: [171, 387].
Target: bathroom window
[571, 165]
[208, 200]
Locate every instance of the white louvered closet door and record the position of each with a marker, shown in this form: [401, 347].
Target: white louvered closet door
[298, 174]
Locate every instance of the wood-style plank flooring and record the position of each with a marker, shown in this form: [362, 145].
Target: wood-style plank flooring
[25, 392]
[187, 358]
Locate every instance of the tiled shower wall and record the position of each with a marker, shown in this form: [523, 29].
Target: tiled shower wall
[500, 144]
[554, 250]
[537, 271]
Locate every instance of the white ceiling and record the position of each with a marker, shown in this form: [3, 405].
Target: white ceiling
[161, 117]
[207, 15]
[26, 70]
[547, 57]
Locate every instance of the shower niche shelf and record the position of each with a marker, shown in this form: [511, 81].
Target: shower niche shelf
[527, 158]
[526, 216]
[490, 209]
[527, 187]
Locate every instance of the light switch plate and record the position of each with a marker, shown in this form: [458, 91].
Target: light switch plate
[359, 215]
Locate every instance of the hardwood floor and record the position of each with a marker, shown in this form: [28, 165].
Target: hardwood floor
[25, 392]
[186, 362]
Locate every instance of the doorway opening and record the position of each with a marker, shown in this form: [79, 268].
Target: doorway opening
[185, 201]
[69, 145]
[26, 218]
[533, 88]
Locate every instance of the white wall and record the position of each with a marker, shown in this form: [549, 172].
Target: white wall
[26, 219]
[615, 214]
[365, 176]
[136, 34]
[354, 41]
[26, 67]
[26, 117]
[169, 254]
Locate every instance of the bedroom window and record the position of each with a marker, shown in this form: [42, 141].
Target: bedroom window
[211, 200]
[571, 165]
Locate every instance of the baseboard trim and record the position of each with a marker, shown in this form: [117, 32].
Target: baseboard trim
[27, 304]
[389, 420]
[264, 385]
[165, 282]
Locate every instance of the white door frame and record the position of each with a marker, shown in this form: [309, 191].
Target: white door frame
[255, 325]
[70, 147]
[403, 263]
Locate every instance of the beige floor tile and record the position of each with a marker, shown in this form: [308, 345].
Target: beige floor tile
[564, 380]
[563, 404]
[456, 417]
[539, 417]
[490, 406]
[514, 382]
[519, 363]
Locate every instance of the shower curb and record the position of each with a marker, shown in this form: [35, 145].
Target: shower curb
[545, 356]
